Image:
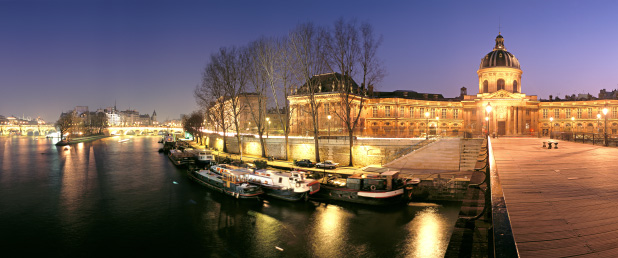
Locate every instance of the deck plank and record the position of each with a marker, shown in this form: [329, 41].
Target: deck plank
[561, 202]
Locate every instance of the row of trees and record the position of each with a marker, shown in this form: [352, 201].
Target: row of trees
[270, 68]
[87, 123]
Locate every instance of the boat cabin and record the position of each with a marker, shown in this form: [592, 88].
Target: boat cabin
[383, 181]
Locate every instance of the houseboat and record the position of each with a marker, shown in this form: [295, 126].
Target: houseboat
[227, 179]
[289, 186]
[385, 188]
[204, 158]
[181, 158]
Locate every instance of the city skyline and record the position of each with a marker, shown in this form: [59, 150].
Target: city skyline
[149, 55]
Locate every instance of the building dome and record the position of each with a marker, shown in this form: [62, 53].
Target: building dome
[499, 57]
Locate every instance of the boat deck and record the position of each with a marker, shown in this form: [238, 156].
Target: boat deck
[562, 202]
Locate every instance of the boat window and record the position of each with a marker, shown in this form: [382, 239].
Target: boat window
[280, 180]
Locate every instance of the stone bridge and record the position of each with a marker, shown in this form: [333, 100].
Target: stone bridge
[29, 130]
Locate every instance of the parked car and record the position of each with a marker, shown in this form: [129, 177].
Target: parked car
[304, 163]
[327, 164]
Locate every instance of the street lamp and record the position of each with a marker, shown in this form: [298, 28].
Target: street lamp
[329, 127]
[551, 126]
[488, 109]
[268, 128]
[605, 131]
[427, 125]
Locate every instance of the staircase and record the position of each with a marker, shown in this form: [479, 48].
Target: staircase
[407, 151]
[469, 151]
[440, 155]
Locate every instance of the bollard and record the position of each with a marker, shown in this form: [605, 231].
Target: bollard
[544, 145]
[549, 145]
[555, 145]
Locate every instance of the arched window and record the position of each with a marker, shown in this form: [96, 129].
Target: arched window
[485, 86]
[500, 84]
[515, 89]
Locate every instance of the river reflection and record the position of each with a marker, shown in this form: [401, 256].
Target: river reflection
[118, 198]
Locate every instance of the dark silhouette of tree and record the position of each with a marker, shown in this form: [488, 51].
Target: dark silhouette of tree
[193, 124]
[65, 123]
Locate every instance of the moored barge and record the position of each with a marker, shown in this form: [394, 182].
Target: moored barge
[289, 186]
[227, 179]
[382, 189]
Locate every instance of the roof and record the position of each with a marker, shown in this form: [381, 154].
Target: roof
[327, 82]
[499, 57]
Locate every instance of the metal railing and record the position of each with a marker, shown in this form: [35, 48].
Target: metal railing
[502, 242]
[594, 138]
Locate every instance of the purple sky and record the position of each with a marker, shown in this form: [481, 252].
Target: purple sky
[148, 55]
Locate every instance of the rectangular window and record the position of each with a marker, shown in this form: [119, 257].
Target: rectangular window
[375, 111]
[433, 113]
[444, 113]
[387, 111]
[590, 113]
[579, 113]
[568, 113]
[411, 112]
[422, 112]
[401, 111]
[545, 113]
[556, 113]
[455, 113]
[326, 108]
[614, 112]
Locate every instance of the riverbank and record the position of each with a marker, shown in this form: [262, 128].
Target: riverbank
[86, 139]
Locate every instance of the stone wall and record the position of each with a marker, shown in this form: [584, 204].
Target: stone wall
[365, 151]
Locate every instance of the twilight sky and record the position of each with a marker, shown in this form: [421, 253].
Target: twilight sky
[148, 55]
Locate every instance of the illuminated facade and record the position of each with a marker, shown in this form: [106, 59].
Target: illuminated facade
[405, 113]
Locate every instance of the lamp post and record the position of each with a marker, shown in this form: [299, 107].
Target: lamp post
[488, 109]
[427, 126]
[551, 127]
[329, 117]
[267, 128]
[605, 131]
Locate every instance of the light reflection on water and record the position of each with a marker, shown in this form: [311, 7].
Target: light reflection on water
[113, 196]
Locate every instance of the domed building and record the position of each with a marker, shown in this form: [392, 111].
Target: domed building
[499, 70]
[407, 113]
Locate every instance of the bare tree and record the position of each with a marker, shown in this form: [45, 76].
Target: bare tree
[262, 68]
[193, 124]
[284, 87]
[210, 94]
[349, 48]
[65, 123]
[235, 63]
[306, 61]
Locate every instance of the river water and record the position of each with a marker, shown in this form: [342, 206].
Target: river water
[119, 199]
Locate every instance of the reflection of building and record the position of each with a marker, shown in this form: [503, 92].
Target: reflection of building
[406, 113]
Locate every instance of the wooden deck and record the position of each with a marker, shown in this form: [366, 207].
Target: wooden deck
[562, 202]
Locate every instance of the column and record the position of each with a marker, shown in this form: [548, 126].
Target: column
[508, 120]
[520, 116]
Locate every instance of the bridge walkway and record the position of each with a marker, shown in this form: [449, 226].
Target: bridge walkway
[561, 202]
